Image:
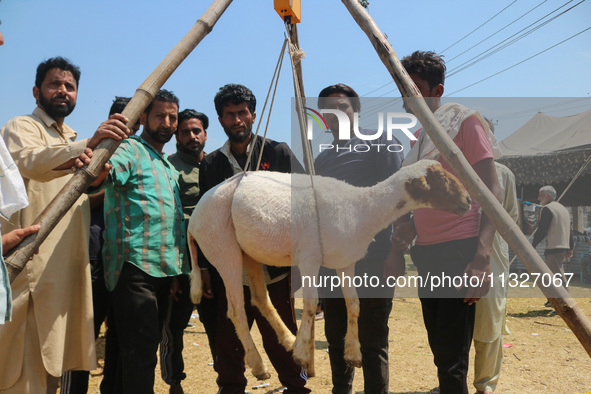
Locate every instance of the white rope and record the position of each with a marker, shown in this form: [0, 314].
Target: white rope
[297, 54]
[275, 80]
[300, 103]
[305, 146]
[270, 109]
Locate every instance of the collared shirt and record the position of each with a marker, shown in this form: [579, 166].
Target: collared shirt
[363, 169]
[221, 164]
[434, 226]
[144, 223]
[58, 278]
[188, 167]
[38, 145]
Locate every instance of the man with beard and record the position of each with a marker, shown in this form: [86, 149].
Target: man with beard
[145, 241]
[190, 141]
[235, 106]
[52, 327]
[445, 243]
[76, 382]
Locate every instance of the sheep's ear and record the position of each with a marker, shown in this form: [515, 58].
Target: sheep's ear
[436, 175]
[418, 188]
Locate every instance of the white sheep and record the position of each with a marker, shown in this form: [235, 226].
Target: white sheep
[274, 219]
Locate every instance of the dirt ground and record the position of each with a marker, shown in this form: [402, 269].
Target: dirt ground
[542, 355]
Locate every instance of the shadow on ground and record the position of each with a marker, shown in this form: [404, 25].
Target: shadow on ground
[533, 313]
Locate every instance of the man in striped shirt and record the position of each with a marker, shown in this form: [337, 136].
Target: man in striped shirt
[144, 240]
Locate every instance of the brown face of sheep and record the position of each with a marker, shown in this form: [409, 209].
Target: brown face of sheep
[441, 190]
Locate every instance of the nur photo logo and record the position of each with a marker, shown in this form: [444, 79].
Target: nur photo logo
[387, 122]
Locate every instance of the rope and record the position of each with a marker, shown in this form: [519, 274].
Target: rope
[297, 53]
[576, 176]
[275, 80]
[271, 107]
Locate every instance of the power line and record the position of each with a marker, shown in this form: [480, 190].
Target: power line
[453, 71]
[375, 90]
[533, 111]
[498, 49]
[491, 51]
[461, 39]
[490, 19]
[523, 61]
[538, 108]
[497, 32]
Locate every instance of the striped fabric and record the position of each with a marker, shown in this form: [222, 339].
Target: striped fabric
[144, 222]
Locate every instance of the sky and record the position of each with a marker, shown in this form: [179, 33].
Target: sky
[117, 44]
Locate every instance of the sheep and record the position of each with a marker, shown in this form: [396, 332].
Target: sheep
[281, 220]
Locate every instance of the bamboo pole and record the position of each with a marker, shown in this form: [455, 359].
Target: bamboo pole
[300, 98]
[78, 184]
[559, 297]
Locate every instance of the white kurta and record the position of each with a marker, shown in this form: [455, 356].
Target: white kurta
[56, 283]
[13, 197]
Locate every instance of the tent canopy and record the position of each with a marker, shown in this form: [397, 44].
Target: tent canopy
[544, 133]
[550, 150]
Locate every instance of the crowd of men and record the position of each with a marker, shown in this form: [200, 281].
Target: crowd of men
[120, 252]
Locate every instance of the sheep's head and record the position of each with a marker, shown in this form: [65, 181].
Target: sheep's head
[439, 189]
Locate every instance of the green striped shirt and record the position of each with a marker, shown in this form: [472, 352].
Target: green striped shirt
[144, 222]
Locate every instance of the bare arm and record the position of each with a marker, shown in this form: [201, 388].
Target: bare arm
[404, 233]
[480, 265]
[114, 127]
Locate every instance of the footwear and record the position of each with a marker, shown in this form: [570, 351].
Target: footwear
[547, 304]
[319, 316]
[435, 390]
[553, 313]
[176, 389]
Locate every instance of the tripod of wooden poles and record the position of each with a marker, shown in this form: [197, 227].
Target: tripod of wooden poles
[559, 296]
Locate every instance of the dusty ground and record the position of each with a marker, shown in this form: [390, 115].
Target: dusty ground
[544, 355]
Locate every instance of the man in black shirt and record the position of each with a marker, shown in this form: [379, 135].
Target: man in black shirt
[235, 105]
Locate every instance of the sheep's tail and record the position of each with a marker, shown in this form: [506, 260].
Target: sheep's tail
[196, 284]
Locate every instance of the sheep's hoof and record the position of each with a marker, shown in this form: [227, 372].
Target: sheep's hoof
[261, 375]
[301, 362]
[300, 354]
[300, 359]
[353, 362]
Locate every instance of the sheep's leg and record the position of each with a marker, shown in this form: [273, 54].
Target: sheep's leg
[196, 284]
[352, 346]
[236, 313]
[303, 352]
[260, 298]
[226, 256]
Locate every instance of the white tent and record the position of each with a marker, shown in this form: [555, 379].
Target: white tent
[550, 150]
[544, 133]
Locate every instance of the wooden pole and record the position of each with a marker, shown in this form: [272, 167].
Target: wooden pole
[143, 96]
[300, 100]
[558, 296]
[300, 97]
